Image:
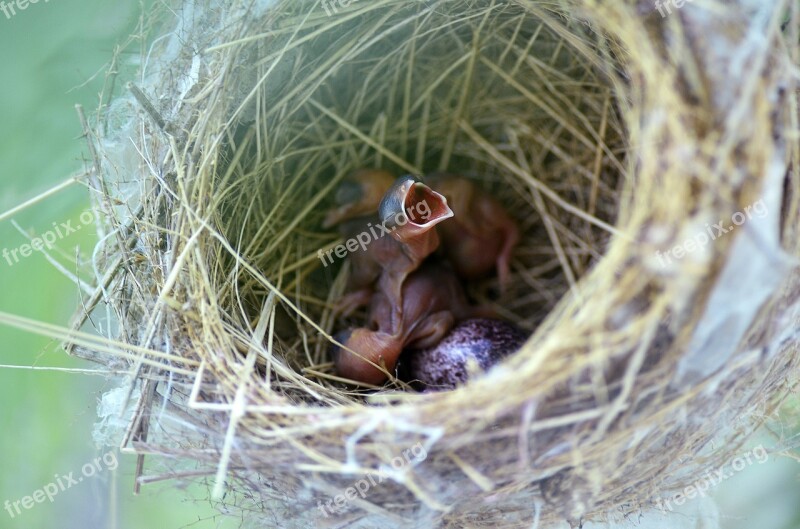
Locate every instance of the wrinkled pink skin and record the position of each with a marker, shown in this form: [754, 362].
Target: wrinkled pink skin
[481, 236]
[414, 307]
[388, 260]
[406, 307]
[433, 301]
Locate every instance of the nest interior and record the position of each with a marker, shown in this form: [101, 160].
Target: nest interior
[610, 134]
[519, 111]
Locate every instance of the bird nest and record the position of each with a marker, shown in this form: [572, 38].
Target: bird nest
[646, 157]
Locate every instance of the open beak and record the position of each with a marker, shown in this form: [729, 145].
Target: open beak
[410, 208]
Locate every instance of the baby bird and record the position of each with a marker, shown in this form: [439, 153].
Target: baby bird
[359, 195]
[408, 212]
[363, 348]
[432, 301]
[357, 199]
[415, 303]
[480, 239]
[365, 266]
[481, 236]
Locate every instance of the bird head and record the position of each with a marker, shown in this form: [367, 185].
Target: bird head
[410, 208]
[364, 350]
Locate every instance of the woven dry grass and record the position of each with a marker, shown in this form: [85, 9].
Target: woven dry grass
[611, 133]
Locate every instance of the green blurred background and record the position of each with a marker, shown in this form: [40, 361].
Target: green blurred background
[52, 56]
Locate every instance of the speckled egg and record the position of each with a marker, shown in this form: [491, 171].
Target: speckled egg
[484, 341]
